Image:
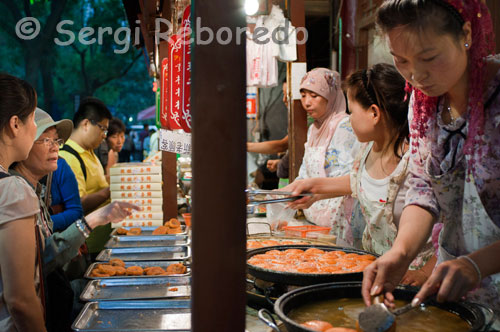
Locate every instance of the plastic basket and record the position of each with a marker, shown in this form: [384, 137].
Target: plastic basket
[305, 231]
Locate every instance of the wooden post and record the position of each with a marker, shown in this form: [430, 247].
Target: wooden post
[219, 169]
[297, 119]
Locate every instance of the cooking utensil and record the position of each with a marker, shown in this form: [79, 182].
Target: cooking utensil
[469, 312]
[253, 192]
[303, 279]
[378, 318]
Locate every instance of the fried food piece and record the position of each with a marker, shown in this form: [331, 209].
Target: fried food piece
[174, 230]
[106, 268]
[98, 273]
[154, 271]
[117, 262]
[120, 270]
[134, 231]
[317, 325]
[121, 231]
[135, 271]
[173, 223]
[173, 289]
[161, 230]
[176, 268]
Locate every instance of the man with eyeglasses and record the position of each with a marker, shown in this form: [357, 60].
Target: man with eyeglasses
[90, 128]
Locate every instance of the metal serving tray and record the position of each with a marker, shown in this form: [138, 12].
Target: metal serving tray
[143, 264]
[147, 230]
[147, 241]
[166, 315]
[146, 254]
[136, 288]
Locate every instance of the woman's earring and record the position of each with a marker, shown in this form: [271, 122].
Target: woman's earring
[466, 45]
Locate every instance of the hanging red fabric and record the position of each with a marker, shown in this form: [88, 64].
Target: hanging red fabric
[186, 70]
[175, 82]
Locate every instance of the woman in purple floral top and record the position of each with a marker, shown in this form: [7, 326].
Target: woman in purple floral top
[443, 48]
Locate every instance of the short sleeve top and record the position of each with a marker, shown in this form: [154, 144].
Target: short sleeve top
[17, 199]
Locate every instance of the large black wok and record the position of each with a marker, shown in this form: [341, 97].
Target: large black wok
[303, 279]
[299, 297]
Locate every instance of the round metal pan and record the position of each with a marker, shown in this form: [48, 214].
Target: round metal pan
[469, 312]
[303, 279]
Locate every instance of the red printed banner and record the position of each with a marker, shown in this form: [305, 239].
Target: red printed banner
[175, 82]
[186, 70]
[164, 101]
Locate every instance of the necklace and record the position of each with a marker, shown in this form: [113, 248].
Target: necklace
[451, 114]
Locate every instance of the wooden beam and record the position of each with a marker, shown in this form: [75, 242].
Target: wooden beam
[219, 171]
[297, 119]
[169, 166]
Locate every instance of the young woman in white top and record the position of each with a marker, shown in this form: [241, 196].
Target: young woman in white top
[379, 108]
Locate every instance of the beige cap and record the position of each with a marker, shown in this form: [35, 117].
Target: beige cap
[43, 121]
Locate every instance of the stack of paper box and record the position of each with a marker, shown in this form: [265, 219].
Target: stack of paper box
[140, 184]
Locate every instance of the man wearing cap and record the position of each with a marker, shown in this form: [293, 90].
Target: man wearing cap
[90, 129]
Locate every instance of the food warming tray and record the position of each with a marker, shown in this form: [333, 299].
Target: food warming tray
[143, 264]
[136, 288]
[130, 316]
[146, 254]
[147, 231]
[147, 241]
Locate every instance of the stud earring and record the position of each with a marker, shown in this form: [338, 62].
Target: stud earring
[466, 45]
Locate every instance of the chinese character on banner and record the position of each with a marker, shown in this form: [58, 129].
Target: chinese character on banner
[186, 70]
[164, 102]
[175, 59]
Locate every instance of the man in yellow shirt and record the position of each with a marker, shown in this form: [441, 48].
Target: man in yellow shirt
[91, 126]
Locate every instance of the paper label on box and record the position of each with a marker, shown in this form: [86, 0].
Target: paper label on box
[137, 223]
[146, 216]
[142, 201]
[136, 178]
[135, 186]
[136, 194]
[135, 168]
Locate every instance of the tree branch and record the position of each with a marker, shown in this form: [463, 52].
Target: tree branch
[27, 8]
[82, 67]
[16, 15]
[97, 84]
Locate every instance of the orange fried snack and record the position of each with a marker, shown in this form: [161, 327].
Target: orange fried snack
[173, 223]
[106, 268]
[174, 230]
[120, 270]
[117, 262]
[161, 230]
[135, 271]
[134, 231]
[121, 231]
[176, 268]
[154, 271]
[317, 325]
[98, 273]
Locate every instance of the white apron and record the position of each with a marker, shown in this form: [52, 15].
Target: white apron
[380, 230]
[467, 228]
[327, 212]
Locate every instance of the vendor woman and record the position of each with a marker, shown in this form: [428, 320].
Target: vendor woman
[442, 48]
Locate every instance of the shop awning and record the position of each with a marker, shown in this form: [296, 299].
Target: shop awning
[148, 113]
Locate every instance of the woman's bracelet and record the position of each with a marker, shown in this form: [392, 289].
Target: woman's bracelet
[470, 260]
[86, 224]
[82, 228]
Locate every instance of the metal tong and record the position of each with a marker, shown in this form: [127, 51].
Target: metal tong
[291, 197]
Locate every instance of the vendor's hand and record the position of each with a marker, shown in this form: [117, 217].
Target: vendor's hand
[114, 212]
[272, 165]
[383, 275]
[414, 278]
[304, 202]
[451, 280]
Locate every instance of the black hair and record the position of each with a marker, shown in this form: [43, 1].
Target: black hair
[17, 97]
[115, 126]
[93, 109]
[419, 15]
[383, 86]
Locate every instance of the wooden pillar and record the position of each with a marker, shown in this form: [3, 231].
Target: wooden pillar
[348, 13]
[297, 119]
[218, 101]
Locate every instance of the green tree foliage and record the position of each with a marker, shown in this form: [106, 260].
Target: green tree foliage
[107, 68]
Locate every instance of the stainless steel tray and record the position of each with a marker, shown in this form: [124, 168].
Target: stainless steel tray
[146, 254]
[147, 241]
[166, 315]
[147, 230]
[143, 264]
[136, 288]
